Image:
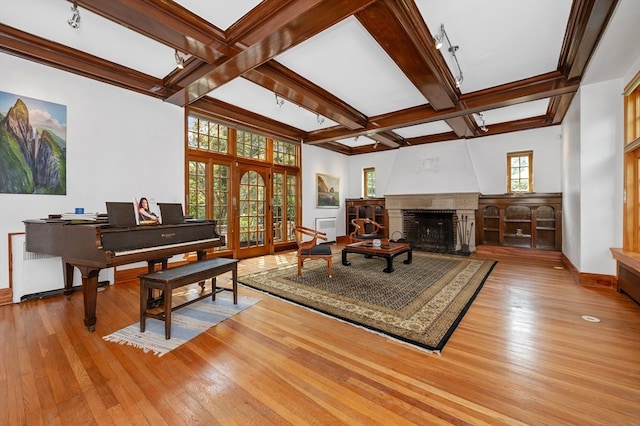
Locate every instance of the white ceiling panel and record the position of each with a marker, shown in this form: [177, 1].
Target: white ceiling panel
[346, 61]
[433, 128]
[96, 35]
[221, 13]
[356, 142]
[499, 41]
[245, 94]
[516, 112]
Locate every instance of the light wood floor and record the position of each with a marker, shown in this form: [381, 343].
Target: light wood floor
[521, 355]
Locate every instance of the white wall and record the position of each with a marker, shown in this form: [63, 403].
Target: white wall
[320, 160]
[601, 183]
[436, 168]
[474, 165]
[382, 161]
[571, 222]
[120, 145]
[489, 156]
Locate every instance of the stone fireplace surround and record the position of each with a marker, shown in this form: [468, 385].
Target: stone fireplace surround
[464, 204]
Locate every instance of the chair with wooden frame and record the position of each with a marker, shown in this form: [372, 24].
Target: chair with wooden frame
[366, 229]
[309, 249]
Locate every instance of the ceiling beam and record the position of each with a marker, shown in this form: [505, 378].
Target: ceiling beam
[288, 32]
[291, 86]
[540, 87]
[394, 24]
[236, 116]
[42, 51]
[587, 21]
[166, 22]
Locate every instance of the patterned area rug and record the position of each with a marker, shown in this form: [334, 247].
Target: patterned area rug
[421, 303]
[186, 323]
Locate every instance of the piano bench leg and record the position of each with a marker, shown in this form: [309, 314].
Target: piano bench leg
[167, 311]
[144, 297]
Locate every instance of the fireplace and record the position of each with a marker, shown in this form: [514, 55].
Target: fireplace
[430, 221]
[430, 230]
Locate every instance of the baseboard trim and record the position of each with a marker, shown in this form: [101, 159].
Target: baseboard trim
[552, 255]
[590, 280]
[6, 296]
[581, 278]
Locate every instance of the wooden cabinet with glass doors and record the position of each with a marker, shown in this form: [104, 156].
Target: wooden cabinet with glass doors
[370, 208]
[527, 220]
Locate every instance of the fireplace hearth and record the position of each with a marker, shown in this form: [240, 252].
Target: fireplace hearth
[438, 232]
[430, 230]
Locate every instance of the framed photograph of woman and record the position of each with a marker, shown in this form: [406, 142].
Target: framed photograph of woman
[327, 191]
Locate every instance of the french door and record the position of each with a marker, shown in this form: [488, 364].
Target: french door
[254, 227]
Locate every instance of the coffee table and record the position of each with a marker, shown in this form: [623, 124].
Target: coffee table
[388, 251]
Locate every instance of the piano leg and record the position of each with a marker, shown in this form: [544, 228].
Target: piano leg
[90, 295]
[68, 278]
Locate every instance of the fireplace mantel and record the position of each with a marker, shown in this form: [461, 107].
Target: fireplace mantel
[463, 203]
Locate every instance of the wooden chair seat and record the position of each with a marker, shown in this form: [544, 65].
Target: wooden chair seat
[366, 229]
[310, 249]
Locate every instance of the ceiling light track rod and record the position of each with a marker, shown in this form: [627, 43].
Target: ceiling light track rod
[439, 40]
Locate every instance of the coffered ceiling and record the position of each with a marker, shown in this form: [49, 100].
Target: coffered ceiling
[351, 76]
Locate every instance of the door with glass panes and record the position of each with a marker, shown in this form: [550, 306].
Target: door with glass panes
[251, 208]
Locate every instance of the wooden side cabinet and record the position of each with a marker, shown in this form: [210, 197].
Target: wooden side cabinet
[529, 220]
[369, 208]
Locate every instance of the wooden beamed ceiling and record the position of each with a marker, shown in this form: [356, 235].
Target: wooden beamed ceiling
[248, 47]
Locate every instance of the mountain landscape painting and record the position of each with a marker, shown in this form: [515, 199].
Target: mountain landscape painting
[33, 146]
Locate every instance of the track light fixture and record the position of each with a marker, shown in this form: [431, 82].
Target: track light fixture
[439, 40]
[74, 17]
[483, 126]
[180, 60]
[279, 100]
[320, 118]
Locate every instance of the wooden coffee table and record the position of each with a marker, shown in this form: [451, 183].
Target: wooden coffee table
[388, 251]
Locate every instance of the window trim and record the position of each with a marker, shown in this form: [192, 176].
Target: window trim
[511, 155]
[365, 185]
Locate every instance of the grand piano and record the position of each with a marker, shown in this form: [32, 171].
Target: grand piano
[91, 247]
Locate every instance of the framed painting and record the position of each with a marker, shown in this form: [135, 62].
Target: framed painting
[327, 191]
[33, 146]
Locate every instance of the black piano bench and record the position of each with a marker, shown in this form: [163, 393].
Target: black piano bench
[168, 279]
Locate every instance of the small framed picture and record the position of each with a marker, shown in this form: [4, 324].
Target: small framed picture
[327, 191]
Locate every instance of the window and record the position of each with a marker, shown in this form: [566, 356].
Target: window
[285, 153]
[199, 205]
[206, 135]
[520, 171]
[214, 155]
[369, 182]
[250, 145]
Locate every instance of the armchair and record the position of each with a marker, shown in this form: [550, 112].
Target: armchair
[366, 229]
[309, 249]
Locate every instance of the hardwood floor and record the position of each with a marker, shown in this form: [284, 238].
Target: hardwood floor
[521, 355]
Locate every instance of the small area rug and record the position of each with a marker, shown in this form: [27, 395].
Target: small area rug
[421, 303]
[186, 323]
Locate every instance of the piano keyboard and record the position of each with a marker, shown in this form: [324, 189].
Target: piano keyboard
[168, 246]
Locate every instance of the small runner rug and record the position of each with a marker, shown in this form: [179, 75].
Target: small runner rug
[421, 303]
[186, 323]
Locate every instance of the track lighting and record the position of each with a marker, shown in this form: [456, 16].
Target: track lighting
[320, 118]
[180, 60]
[279, 100]
[438, 41]
[483, 126]
[74, 17]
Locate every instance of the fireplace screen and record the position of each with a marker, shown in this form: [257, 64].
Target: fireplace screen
[430, 230]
